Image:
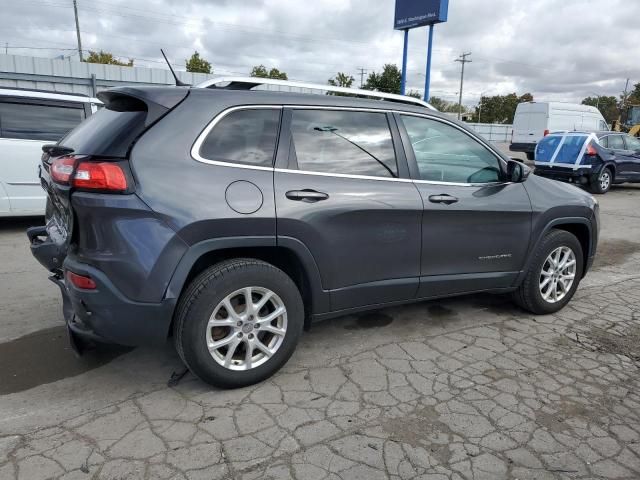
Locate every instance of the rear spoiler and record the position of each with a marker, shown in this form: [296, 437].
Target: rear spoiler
[156, 101]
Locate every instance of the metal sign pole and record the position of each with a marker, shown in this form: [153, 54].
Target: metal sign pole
[403, 80]
[427, 80]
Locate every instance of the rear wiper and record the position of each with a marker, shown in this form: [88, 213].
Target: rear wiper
[56, 150]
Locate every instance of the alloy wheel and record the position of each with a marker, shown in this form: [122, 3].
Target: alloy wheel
[246, 328]
[558, 274]
[605, 180]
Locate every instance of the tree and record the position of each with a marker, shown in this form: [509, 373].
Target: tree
[388, 81]
[414, 94]
[499, 108]
[633, 97]
[341, 80]
[261, 71]
[445, 106]
[439, 104]
[197, 64]
[608, 106]
[106, 58]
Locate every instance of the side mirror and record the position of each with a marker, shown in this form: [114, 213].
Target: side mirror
[517, 171]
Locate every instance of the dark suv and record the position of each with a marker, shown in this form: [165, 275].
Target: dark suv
[230, 219]
[594, 160]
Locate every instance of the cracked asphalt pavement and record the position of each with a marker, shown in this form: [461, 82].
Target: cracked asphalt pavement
[464, 388]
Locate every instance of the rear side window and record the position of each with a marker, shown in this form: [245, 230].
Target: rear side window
[616, 142]
[247, 137]
[38, 122]
[343, 142]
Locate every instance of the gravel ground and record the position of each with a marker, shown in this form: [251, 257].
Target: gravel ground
[466, 388]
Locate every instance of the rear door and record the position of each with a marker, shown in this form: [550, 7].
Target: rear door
[25, 125]
[529, 123]
[475, 227]
[344, 193]
[632, 145]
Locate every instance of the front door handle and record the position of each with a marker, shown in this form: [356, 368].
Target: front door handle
[446, 199]
[308, 196]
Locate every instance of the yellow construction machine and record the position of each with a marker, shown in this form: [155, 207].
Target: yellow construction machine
[629, 120]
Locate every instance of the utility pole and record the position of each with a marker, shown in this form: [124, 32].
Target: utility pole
[362, 72]
[624, 96]
[462, 59]
[75, 11]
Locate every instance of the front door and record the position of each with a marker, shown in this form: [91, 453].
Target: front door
[346, 195]
[475, 227]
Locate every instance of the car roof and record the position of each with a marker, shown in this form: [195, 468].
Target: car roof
[46, 95]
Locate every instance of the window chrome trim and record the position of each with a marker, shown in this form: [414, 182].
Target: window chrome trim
[195, 149]
[197, 145]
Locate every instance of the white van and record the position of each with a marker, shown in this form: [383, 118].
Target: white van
[534, 120]
[28, 120]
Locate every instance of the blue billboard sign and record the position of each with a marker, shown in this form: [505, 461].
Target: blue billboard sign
[417, 13]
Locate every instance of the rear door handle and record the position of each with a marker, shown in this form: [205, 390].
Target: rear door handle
[446, 199]
[308, 196]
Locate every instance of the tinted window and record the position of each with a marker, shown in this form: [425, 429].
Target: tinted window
[244, 136]
[37, 122]
[106, 132]
[632, 143]
[336, 141]
[616, 142]
[446, 154]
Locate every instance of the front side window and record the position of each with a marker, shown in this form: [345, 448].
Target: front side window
[446, 154]
[246, 137]
[616, 142]
[343, 142]
[38, 122]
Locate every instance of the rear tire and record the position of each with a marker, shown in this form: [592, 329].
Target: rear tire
[530, 156]
[603, 183]
[214, 309]
[537, 296]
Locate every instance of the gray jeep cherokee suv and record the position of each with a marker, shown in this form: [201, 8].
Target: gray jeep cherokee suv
[230, 218]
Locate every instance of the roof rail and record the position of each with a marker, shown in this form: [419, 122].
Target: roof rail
[247, 83]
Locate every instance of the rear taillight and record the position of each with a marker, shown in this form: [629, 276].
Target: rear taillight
[100, 176]
[61, 169]
[87, 175]
[81, 281]
[546, 132]
[591, 151]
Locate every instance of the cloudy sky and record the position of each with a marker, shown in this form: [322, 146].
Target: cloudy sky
[557, 50]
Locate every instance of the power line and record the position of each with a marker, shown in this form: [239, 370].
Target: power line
[462, 59]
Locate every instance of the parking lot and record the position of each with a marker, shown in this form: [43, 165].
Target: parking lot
[460, 388]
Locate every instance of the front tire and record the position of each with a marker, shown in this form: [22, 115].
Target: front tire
[531, 156]
[554, 274]
[603, 183]
[238, 322]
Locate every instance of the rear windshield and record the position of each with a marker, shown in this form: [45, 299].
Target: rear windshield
[565, 148]
[106, 133]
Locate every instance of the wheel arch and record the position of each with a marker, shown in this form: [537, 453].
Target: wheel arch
[288, 254]
[580, 227]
